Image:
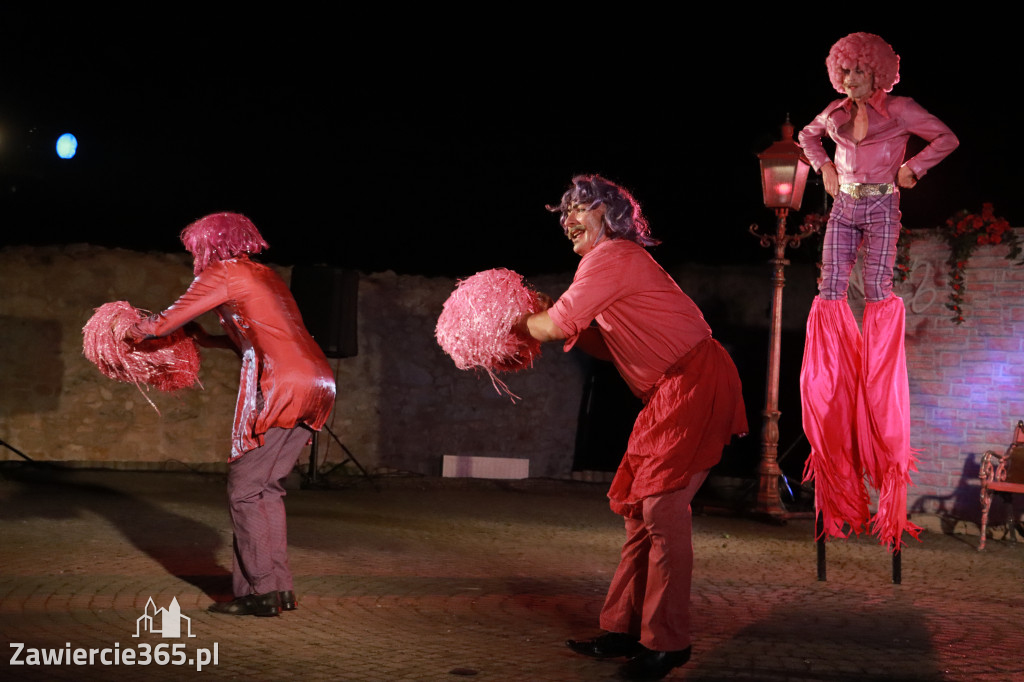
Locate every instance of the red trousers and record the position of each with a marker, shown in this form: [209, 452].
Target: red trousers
[650, 593]
[256, 498]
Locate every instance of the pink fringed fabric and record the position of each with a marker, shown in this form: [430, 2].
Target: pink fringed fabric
[169, 363]
[883, 419]
[829, 386]
[476, 326]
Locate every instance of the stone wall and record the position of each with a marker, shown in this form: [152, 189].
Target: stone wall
[402, 405]
[401, 402]
[55, 405]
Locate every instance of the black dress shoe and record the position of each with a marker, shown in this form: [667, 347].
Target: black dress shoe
[268, 604]
[654, 665]
[608, 645]
[288, 600]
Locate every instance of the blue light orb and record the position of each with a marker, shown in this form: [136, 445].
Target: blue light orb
[67, 145]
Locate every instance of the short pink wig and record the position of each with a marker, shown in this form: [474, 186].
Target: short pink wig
[871, 52]
[221, 236]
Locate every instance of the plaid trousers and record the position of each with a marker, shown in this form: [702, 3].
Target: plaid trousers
[871, 222]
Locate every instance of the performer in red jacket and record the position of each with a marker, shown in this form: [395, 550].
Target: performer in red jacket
[286, 392]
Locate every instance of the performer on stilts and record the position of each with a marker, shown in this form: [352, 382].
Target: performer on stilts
[854, 388]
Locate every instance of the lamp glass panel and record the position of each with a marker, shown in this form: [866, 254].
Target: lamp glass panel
[778, 181]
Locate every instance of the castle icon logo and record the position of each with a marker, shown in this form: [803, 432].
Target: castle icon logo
[165, 622]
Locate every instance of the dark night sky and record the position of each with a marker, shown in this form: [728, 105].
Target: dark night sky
[430, 144]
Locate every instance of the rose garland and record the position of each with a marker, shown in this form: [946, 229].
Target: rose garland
[963, 232]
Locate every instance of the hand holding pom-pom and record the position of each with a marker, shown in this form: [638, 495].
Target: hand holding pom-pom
[477, 327]
[168, 363]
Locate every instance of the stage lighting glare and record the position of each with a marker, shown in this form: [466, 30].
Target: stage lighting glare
[67, 145]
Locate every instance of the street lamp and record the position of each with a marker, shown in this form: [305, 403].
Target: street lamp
[783, 173]
[783, 179]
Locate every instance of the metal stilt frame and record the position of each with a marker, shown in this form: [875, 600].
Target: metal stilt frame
[819, 533]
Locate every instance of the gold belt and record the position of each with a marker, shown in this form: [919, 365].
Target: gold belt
[858, 190]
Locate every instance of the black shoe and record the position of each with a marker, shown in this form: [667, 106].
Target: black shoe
[608, 645]
[268, 604]
[654, 665]
[288, 600]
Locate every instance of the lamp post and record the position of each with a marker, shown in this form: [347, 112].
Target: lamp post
[783, 179]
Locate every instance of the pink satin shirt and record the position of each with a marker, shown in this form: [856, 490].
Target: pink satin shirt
[878, 157]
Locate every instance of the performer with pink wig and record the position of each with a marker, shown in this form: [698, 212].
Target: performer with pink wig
[693, 405]
[856, 410]
[286, 393]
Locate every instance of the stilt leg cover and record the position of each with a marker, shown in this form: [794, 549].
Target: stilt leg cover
[883, 419]
[829, 385]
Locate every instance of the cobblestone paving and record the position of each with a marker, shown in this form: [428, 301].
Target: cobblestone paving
[432, 579]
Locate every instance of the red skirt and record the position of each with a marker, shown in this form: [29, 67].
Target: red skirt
[689, 416]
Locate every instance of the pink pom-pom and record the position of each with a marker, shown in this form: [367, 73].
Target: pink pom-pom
[168, 363]
[476, 326]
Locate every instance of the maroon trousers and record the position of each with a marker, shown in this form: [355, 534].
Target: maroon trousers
[650, 593]
[256, 498]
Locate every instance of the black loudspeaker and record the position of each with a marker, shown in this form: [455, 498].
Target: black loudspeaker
[328, 299]
[607, 413]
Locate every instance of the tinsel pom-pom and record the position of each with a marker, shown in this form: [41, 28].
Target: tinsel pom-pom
[168, 363]
[476, 326]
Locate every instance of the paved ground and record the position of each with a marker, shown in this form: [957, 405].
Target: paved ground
[433, 579]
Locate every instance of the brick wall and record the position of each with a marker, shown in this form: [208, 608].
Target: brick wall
[966, 381]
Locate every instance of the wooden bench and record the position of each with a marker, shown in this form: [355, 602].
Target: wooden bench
[1002, 474]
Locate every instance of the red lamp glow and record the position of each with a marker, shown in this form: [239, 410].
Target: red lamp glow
[784, 172]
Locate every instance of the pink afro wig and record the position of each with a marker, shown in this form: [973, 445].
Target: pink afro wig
[221, 236]
[871, 52]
